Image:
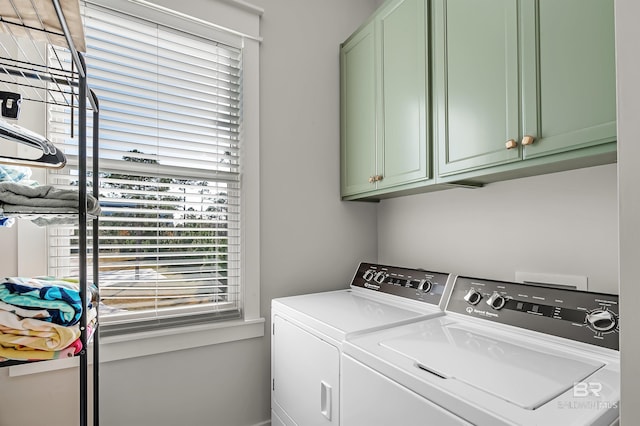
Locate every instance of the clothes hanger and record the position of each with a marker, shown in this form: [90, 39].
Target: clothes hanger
[51, 156]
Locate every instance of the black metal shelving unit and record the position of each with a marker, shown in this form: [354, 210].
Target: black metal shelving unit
[59, 77]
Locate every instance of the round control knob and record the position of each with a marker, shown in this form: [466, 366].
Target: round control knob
[368, 275]
[380, 276]
[496, 301]
[602, 320]
[473, 296]
[425, 286]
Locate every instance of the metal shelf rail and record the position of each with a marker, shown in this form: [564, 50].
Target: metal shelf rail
[40, 61]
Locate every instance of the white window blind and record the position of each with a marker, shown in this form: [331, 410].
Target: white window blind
[170, 125]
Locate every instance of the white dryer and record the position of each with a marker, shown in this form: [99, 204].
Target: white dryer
[503, 354]
[308, 332]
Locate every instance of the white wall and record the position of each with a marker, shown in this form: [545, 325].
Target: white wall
[562, 223]
[310, 240]
[628, 63]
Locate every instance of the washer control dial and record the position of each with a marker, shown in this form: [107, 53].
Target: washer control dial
[380, 277]
[496, 301]
[602, 320]
[473, 296]
[368, 275]
[425, 286]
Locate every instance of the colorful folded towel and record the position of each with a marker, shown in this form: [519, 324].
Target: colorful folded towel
[24, 313]
[27, 354]
[44, 281]
[35, 334]
[64, 305]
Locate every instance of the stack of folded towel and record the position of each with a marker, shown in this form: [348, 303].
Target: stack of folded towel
[39, 318]
[43, 200]
[46, 204]
[14, 174]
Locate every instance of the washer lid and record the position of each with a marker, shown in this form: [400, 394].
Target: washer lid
[525, 375]
[347, 311]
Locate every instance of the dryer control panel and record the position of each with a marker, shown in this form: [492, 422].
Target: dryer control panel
[415, 284]
[578, 315]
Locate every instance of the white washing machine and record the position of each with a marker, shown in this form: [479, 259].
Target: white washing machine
[308, 332]
[503, 354]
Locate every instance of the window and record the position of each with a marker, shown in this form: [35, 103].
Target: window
[170, 187]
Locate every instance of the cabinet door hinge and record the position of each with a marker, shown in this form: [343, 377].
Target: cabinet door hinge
[273, 329]
[273, 384]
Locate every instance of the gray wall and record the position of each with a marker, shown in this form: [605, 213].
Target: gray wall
[562, 223]
[303, 226]
[310, 240]
[628, 63]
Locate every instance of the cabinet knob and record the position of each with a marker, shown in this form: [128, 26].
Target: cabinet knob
[528, 140]
[378, 178]
[372, 179]
[511, 143]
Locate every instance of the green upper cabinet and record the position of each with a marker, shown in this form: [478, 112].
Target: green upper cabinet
[402, 119]
[521, 79]
[570, 101]
[358, 112]
[384, 80]
[476, 87]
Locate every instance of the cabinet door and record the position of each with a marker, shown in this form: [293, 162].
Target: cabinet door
[476, 88]
[402, 119]
[358, 113]
[306, 375]
[574, 92]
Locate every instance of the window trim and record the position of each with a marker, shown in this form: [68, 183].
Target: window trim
[246, 22]
[241, 18]
[171, 104]
[154, 342]
[243, 21]
[133, 345]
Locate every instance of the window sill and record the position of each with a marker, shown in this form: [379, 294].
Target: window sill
[115, 348]
[133, 345]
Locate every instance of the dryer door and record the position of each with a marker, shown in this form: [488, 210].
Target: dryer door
[305, 376]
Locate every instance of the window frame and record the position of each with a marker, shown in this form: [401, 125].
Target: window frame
[234, 21]
[147, 127]
[244, 33]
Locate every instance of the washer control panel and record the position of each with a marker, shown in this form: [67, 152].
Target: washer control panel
[415, 284]
[578, 315]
